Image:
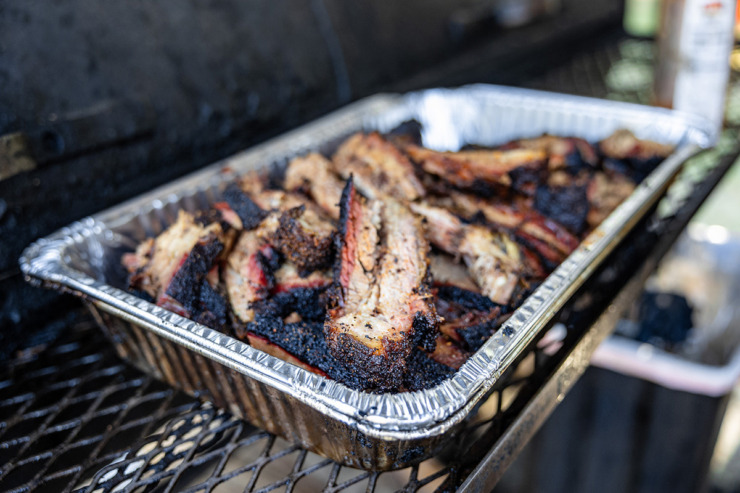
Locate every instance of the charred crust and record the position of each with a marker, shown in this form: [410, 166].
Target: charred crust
[567, 205]
[268, 261]
[423, 372]
[303, 340]
[213, 309]
[425, 330]
[466, 298]
[308, 251]
[526, 179]
[376, 372]
[309, 303]
[186, 283]
[249, 212]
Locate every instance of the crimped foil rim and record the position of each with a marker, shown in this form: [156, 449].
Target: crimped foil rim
[385, 416]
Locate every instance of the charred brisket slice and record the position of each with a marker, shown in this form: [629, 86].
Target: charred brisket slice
[378, 168]
[519, 169]
[250, 214]
[304, 240]
[312, 175]
[493, 259]
[304, 340]
[568, 205]
[308, 303]
[249, 274]
[469, 318]
[381, 307]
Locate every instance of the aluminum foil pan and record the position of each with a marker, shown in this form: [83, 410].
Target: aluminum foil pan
[371, 431]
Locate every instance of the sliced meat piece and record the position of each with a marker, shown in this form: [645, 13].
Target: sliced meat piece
[157, 260]
[493, 259]
[135, 264]
[382, 306]
[626, 154]
[469, 318]
[447, 271]
[248, 274]
[305, 239]
[273, 349]
[288, 277]
[378, 167]
[185, 284]
[528, 221]
[605, 193]
[298, 304]
[177, 270]
[519, 169]
[563, 153]
[567, 205]
[313, 175]
[250, 215]
[623, 144]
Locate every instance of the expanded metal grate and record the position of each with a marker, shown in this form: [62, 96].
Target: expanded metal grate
[75, 418]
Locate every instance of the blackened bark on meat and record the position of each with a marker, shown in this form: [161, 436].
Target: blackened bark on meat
[309, 303]
[212, 309]
[210, 216]
[471, 316]
[474, 336]
[381, 372]
[575, 163]
[190, 288]
[424, 372]
[306, 342]
[636, 168]
[248, 211]
[307, 250]
[468, 299]
[526, 180]
[565, 205]
[269, 262]
[186, 283]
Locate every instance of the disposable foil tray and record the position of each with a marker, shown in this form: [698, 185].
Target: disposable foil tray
[370, 431]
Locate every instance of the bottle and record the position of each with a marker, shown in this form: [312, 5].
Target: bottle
[694, 43]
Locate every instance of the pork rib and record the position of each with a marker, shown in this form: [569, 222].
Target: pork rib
[382, 306]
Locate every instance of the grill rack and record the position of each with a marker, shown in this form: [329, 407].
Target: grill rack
[75, 418]
[81, 420]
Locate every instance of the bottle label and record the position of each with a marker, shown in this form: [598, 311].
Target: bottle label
[705, 44]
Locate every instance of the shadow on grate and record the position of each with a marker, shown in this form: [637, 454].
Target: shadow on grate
[73, 417]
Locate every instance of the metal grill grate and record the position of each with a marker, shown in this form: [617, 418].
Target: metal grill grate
[75, 418]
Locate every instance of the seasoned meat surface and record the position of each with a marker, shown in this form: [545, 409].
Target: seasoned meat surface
[518, 168]
[387, 266]
[383, 306]
[378, 167]
[493, 259]
[312, 174]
